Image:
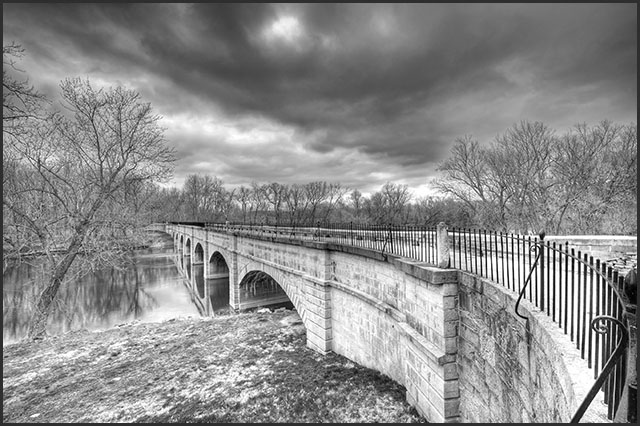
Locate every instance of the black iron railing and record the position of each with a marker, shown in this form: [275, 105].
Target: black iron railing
[577, 291]
[415, 242]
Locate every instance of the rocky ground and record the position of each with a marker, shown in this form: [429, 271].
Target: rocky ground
[250, 367]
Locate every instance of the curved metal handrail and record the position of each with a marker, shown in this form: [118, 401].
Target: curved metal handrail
[528, 280]
[537, 245]
[617, 353]
[597, 323]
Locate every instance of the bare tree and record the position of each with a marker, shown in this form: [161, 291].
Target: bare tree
[316, 193]
[244, 199]
[356, 201]
[258, 201]
[335, 193]
[464, 173]
[520, 177]
[374, 209]
[206, 198]
[396, 197]
[226, 202]
[529, 179]
[505, 183]
[165, 204]
[428, 210]
[71, 174]
[20, 101]
[296, 203]
[597, 174]
[275, 194]
[21, 106]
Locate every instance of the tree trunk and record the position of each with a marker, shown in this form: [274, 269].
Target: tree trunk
[38, 322]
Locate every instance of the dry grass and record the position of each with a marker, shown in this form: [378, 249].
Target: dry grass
[251, 367]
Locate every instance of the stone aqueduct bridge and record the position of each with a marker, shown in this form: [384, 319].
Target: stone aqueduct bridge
[452, 339]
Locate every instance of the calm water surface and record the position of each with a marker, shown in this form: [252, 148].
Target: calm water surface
[151, 289]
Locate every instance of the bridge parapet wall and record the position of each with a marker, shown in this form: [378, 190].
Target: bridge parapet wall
[516, 371]
[399, 317]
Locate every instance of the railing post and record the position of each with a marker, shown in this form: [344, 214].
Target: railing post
[442, 238]
[542, 265]
[351, 231]
[628, 409]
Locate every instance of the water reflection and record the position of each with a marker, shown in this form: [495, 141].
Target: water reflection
[186, 264]
[198, 278]
[215, 289]
[219, 294]
[260, 289]
[151, 289]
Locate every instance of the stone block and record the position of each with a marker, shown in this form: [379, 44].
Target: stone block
[451, 389]
[450, 371]
[470, 336]
[450, 302]
[493, 293]
[450, 315]
[419, 400]
[451, 345]
[318, 345]
[451, 407]
[450, 329]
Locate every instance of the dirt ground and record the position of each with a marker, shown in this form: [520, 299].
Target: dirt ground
[250, 367]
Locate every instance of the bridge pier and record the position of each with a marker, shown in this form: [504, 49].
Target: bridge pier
[319, 332]
[234, 282]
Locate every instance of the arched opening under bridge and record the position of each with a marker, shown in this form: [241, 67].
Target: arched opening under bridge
[259, 289]
[180, 246]
[198, 254]
[217, 283]
[187, 258]
[198, 269]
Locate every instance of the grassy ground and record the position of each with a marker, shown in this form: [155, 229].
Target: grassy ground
[251, 367]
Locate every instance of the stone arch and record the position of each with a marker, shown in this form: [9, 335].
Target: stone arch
[198, 253]
[197, 279]
[285, 281]
[218, 265]
[218, 282]
[180, 248]
[258, 288]
[186, 256]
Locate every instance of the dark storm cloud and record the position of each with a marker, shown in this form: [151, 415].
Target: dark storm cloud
[396, 83]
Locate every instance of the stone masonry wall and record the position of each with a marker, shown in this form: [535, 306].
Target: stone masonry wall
[399, 318]
[513, 370]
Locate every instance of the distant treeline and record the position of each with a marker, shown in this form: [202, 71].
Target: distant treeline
[526, 180]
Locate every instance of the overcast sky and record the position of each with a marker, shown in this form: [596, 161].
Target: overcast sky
[353, 93]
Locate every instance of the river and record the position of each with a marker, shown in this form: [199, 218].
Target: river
[150, 289]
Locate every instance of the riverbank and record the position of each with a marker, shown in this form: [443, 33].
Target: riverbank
[249, 367]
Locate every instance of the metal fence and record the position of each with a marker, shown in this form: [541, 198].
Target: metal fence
[415, 242]
[582, 295]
